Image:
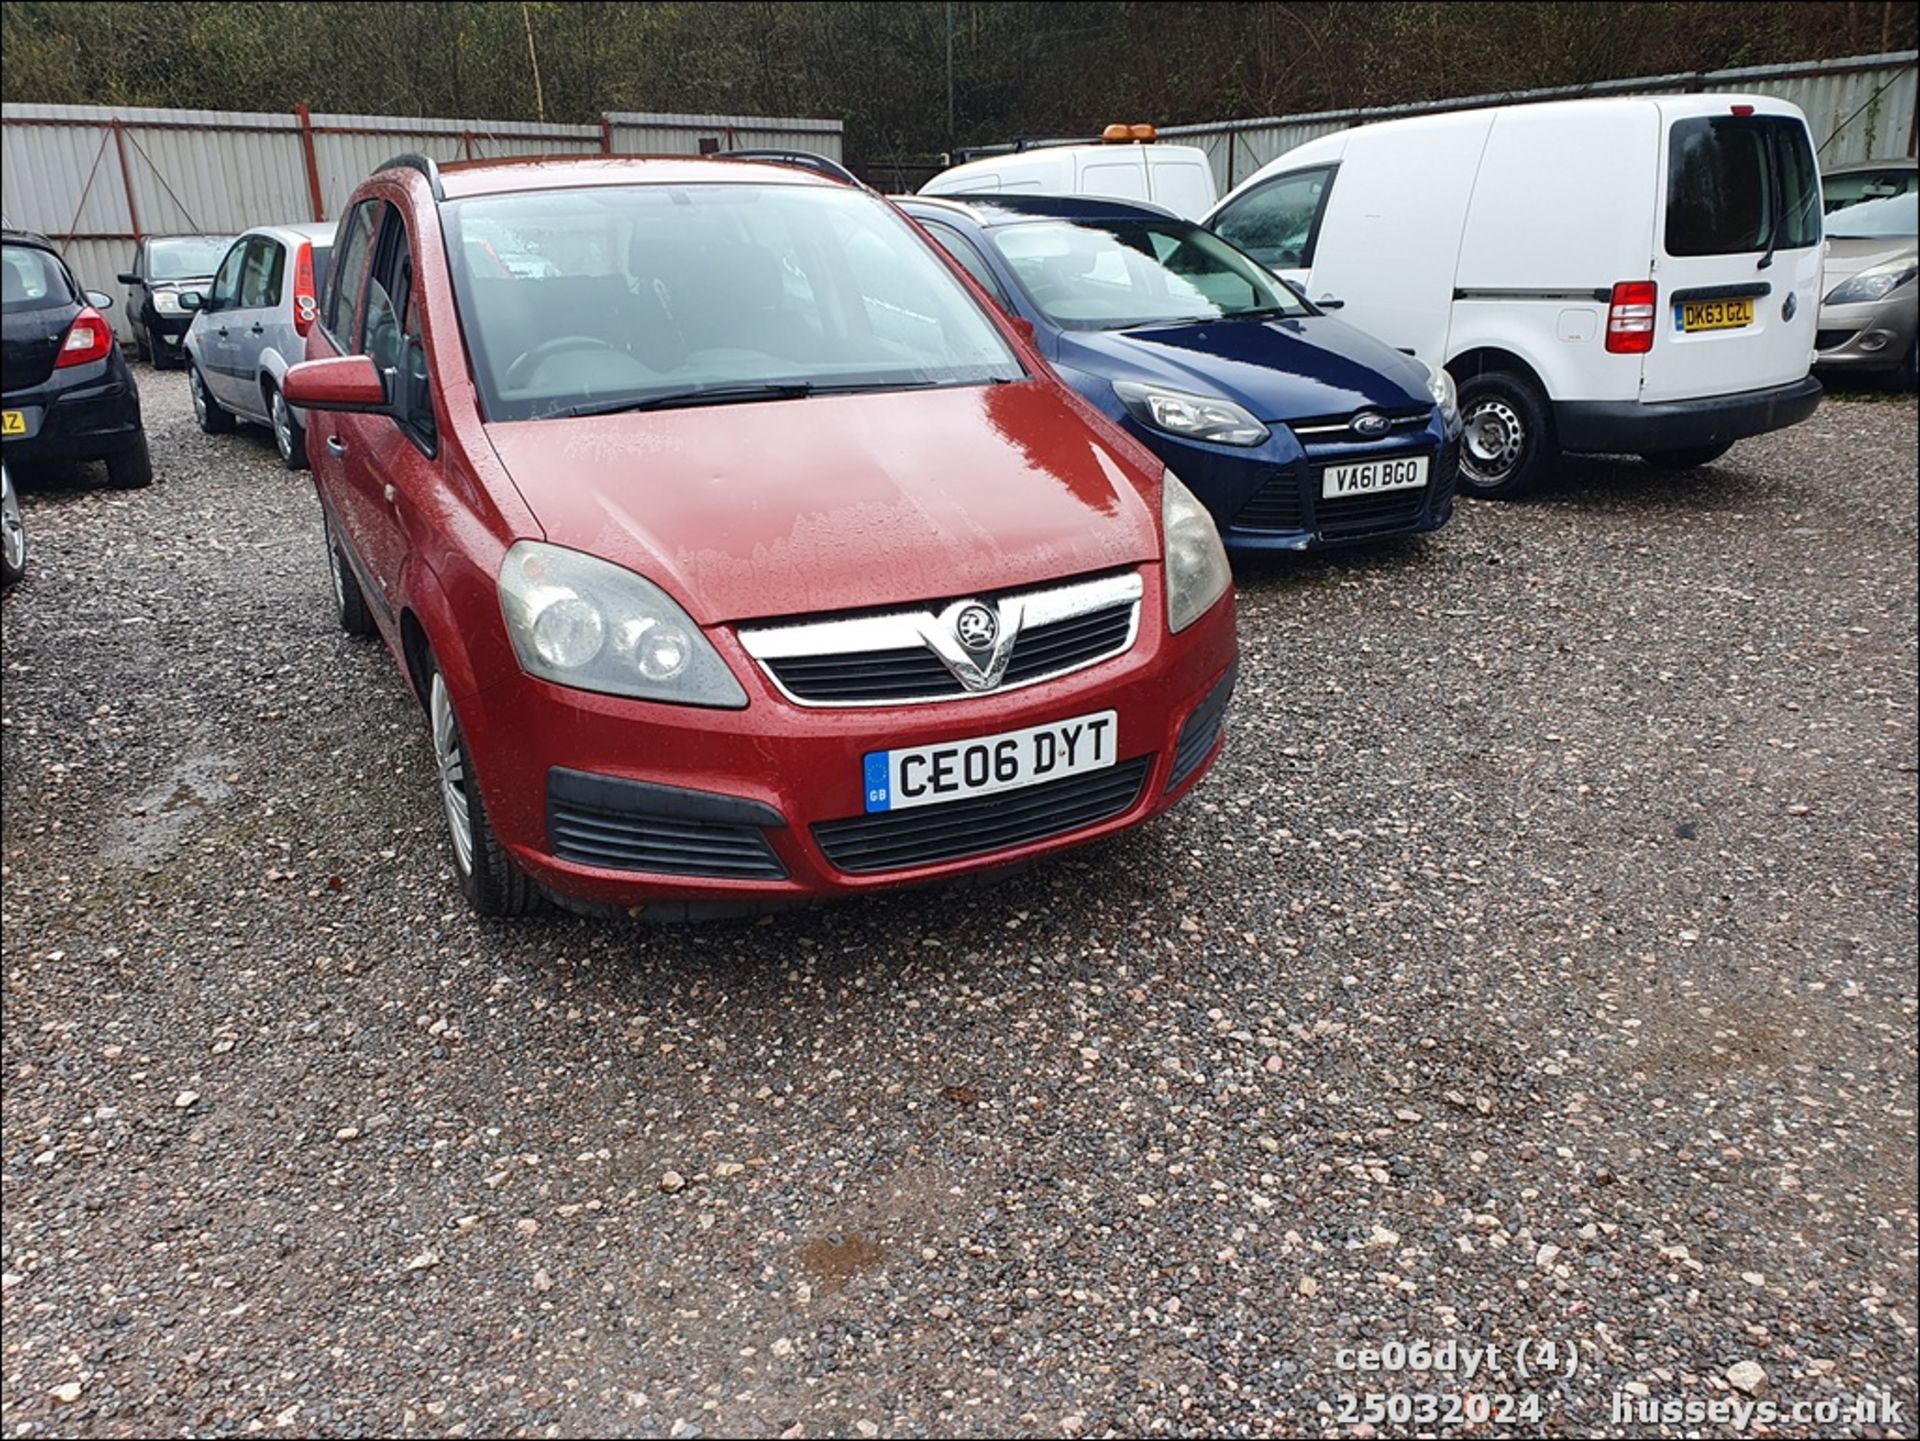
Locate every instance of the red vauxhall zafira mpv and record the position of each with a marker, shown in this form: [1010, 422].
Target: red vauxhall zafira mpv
[739, 549]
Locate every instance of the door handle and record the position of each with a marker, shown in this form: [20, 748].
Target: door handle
[336, 446]
[258, 328]
[220, 330]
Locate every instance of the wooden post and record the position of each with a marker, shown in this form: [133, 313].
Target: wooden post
[314, 192]
[126, 176]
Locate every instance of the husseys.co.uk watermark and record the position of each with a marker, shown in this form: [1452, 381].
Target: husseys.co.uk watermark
[1869, 1408]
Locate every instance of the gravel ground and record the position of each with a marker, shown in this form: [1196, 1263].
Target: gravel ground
[1537, 964]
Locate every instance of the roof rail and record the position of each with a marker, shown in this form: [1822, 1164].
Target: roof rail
[800, 159]
[413, 160]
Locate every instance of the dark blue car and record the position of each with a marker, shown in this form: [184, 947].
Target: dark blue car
[1293, 428]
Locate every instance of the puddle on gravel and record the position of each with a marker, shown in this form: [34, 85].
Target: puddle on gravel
[836, 1260]
[156, 823]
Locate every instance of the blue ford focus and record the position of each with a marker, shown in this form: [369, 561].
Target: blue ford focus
[1293, 428]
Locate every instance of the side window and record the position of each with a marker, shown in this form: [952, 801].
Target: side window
[260, 276]
[393, 333]
[1277, 223]
[343, 294]
[971, 261]
[226, 280]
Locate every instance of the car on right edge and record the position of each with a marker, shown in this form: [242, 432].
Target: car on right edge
[1871, 311]
[1637, 275]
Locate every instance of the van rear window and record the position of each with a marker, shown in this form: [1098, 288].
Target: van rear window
[1737, 184]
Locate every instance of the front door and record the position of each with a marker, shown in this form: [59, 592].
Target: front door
[216, 323]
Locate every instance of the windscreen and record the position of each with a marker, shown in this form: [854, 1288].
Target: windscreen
[1740, 183]
[1111, 275]
[186, 257]
[589, 299]
[1893, 218]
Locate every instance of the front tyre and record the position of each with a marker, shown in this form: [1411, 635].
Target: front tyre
[131, 469]
[1507, 439]
[493, 884]
[1690, 458]
[289, 435]
[213, 420]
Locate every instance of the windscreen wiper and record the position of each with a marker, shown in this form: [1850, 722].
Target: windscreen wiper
[693, 395]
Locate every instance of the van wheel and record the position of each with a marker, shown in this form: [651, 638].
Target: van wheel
[1507, 440]
[1692, 458]
[494, 885]
[213, 420]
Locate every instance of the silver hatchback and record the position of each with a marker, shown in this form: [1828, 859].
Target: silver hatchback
[250, 324]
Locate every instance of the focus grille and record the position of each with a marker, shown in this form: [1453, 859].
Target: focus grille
[899, 840]
[1275, 506]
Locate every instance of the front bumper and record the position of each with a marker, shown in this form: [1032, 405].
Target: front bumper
[1621, 427]
[1875, 335]
[86, 413]
[1268, 498]
[767, 804]
[169, 331]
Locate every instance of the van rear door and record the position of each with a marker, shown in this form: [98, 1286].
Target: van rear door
[1737, 249]
[1180, 179]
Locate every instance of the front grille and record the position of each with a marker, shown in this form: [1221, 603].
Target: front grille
[1275, 506]
[1831, 339]
[900, 840]
[1322, 429]
[886, 659]
[909, 673]
[1363, 514]
[617, 837]
[1201, 730]
[1063, 644]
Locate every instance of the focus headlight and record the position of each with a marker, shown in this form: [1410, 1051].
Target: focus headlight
[1196, 417]
[1440, 387]
[587, 623]
[167, 302]
[1874, 284]
[1196, 562]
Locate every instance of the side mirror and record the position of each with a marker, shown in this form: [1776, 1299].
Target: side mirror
[192, 300]
[127, 277]
[346, 382]
[99, 300]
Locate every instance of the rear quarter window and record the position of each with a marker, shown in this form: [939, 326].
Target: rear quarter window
[31, 279]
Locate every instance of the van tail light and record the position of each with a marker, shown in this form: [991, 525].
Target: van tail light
[89, 338]
[306, 304]
[1630, 317]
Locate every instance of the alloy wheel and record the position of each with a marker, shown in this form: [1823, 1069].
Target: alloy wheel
[1494, 439]
[282, 426]
[13, 533]
[453, 772]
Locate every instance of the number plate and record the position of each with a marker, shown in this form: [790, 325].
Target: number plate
[13, 422]
[957, 770]
[1369, 477]
[1715, 314]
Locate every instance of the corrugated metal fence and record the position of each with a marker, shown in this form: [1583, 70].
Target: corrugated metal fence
[1860, 108]
[96, 178]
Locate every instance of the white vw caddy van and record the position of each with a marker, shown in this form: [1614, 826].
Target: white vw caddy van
[1634, 275]
[1126, 166]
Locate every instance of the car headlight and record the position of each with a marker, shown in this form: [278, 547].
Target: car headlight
[583, 622]
[1440, 386]
[1196, 562]
[1874, 284]
[167, 302]
[1196, 417]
